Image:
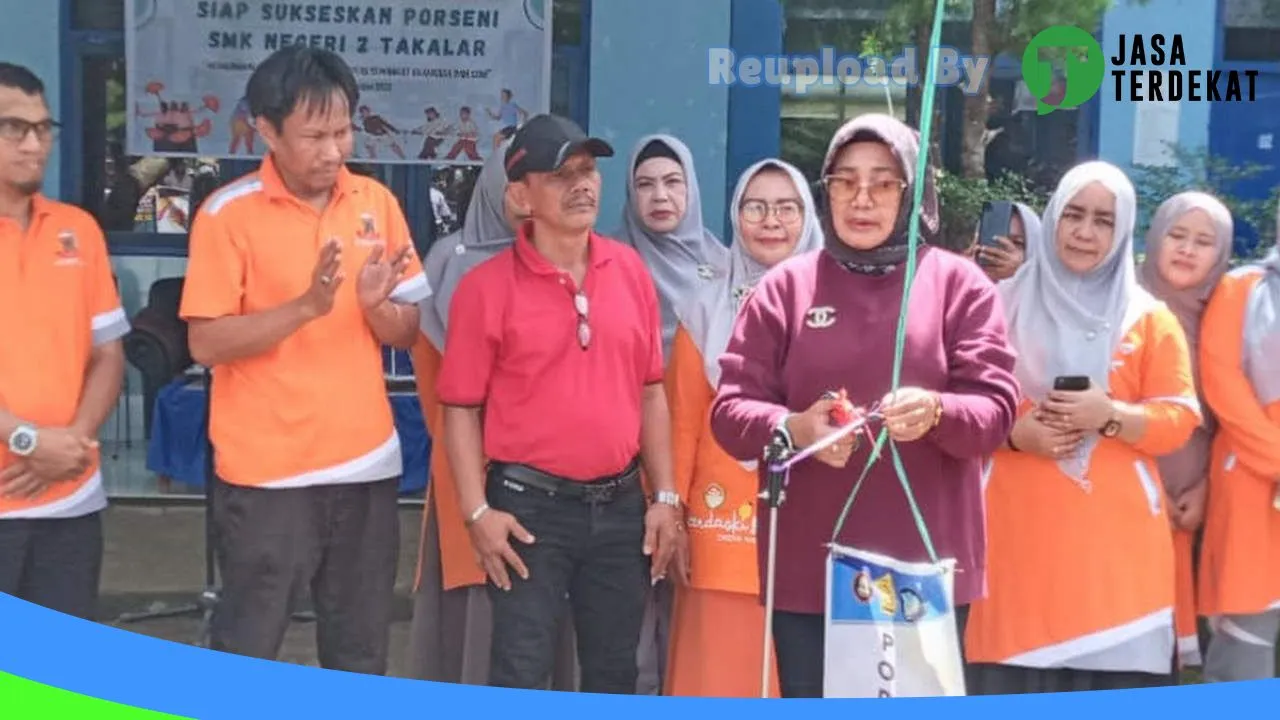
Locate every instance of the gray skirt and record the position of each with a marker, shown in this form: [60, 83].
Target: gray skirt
[452, 630]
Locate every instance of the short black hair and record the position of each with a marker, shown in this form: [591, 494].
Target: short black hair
[20, 78]
[299, 75]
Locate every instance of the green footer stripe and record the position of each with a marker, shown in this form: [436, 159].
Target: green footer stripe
[22, 699]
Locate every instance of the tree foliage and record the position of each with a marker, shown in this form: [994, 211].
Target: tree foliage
[1197, 169]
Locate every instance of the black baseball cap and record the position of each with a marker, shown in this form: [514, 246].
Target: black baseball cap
[543, 144]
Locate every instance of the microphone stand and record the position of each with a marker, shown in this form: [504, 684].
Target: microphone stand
[776, 452]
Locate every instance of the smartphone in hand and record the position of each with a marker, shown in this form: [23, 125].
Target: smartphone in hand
[997, 216]
[1071, 383]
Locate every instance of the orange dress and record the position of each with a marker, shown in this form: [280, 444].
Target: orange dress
[1240, 552]
[1085, 580]
[456, 557]
[717, 626]
[1185, 607]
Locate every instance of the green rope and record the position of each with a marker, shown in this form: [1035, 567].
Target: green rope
[913, 244]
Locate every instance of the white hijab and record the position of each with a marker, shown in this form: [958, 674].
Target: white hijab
[683, 260]
[1031, 241]
[1062, 323]
[1262, 330]
[709, 315]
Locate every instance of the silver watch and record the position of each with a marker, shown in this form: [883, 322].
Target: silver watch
[23, 440]
[667, 497]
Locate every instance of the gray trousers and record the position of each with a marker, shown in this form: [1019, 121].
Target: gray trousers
[340, 542]
[1243, 647]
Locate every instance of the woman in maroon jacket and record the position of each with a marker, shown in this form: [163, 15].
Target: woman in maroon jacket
[826, 321]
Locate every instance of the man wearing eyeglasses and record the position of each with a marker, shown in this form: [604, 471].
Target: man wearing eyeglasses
[553, 371]
[61, 366]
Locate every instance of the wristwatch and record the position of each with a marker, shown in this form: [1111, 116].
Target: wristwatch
[23, 440]
[1112, 427]
[668, 497]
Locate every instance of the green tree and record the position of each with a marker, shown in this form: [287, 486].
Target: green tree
[994, 28]
[1196, 169]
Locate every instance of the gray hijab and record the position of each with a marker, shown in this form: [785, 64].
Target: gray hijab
[1262, 330]
[1062, 323]
[485, 233]
[1035, 228]
[1189, 466]
[710, 314]
[1188, 305]
[682, 261]
[904, 142]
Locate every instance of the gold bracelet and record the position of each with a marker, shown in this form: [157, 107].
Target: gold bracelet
[937, 410]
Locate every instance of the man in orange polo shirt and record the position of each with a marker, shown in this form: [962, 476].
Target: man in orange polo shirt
[61, 365]
[298, 274]
[553, 369]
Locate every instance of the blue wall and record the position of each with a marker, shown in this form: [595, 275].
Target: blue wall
[755, 113]
[1196, 21]
[29, 35]
[648, 75]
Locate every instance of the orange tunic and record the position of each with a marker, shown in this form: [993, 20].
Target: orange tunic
[1184, 601]
[1086, 580]
[717, 633]
[457, 559]
[1240, 552]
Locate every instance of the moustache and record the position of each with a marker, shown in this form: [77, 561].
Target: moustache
[581, 201]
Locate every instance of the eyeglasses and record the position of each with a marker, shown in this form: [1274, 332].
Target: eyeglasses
[15, 130]
[584, 326]
[844, 188]
[757, 211]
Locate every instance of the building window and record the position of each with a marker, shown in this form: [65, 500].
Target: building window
[97, 14]
[1251, 30]
[809, 119]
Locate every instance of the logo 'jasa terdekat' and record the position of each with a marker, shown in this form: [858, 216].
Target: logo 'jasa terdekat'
[1145, 68]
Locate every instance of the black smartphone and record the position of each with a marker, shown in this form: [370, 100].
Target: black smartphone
[1071, 383]
[997, 216]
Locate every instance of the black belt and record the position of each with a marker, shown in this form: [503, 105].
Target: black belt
[599, 490]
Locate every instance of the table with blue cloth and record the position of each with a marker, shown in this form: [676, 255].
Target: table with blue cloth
[177, 446]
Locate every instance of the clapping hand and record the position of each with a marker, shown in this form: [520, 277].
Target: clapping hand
[326, 278]
[378, 278]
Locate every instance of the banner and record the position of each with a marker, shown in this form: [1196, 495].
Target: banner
[891, 628]
[441, 82]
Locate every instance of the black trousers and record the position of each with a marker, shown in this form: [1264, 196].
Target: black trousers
[592, 552]
[54, 563]
[800, 643]
[340, 541]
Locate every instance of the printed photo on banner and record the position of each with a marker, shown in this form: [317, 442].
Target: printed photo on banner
[442, 84]
[890, 628]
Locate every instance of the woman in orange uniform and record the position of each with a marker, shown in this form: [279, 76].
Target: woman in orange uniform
[717, 622]
[452, 624]
[1188, 251]
[1240, 553]
[1080, 557]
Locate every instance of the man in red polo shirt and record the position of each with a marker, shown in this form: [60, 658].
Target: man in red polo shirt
[553, 370]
